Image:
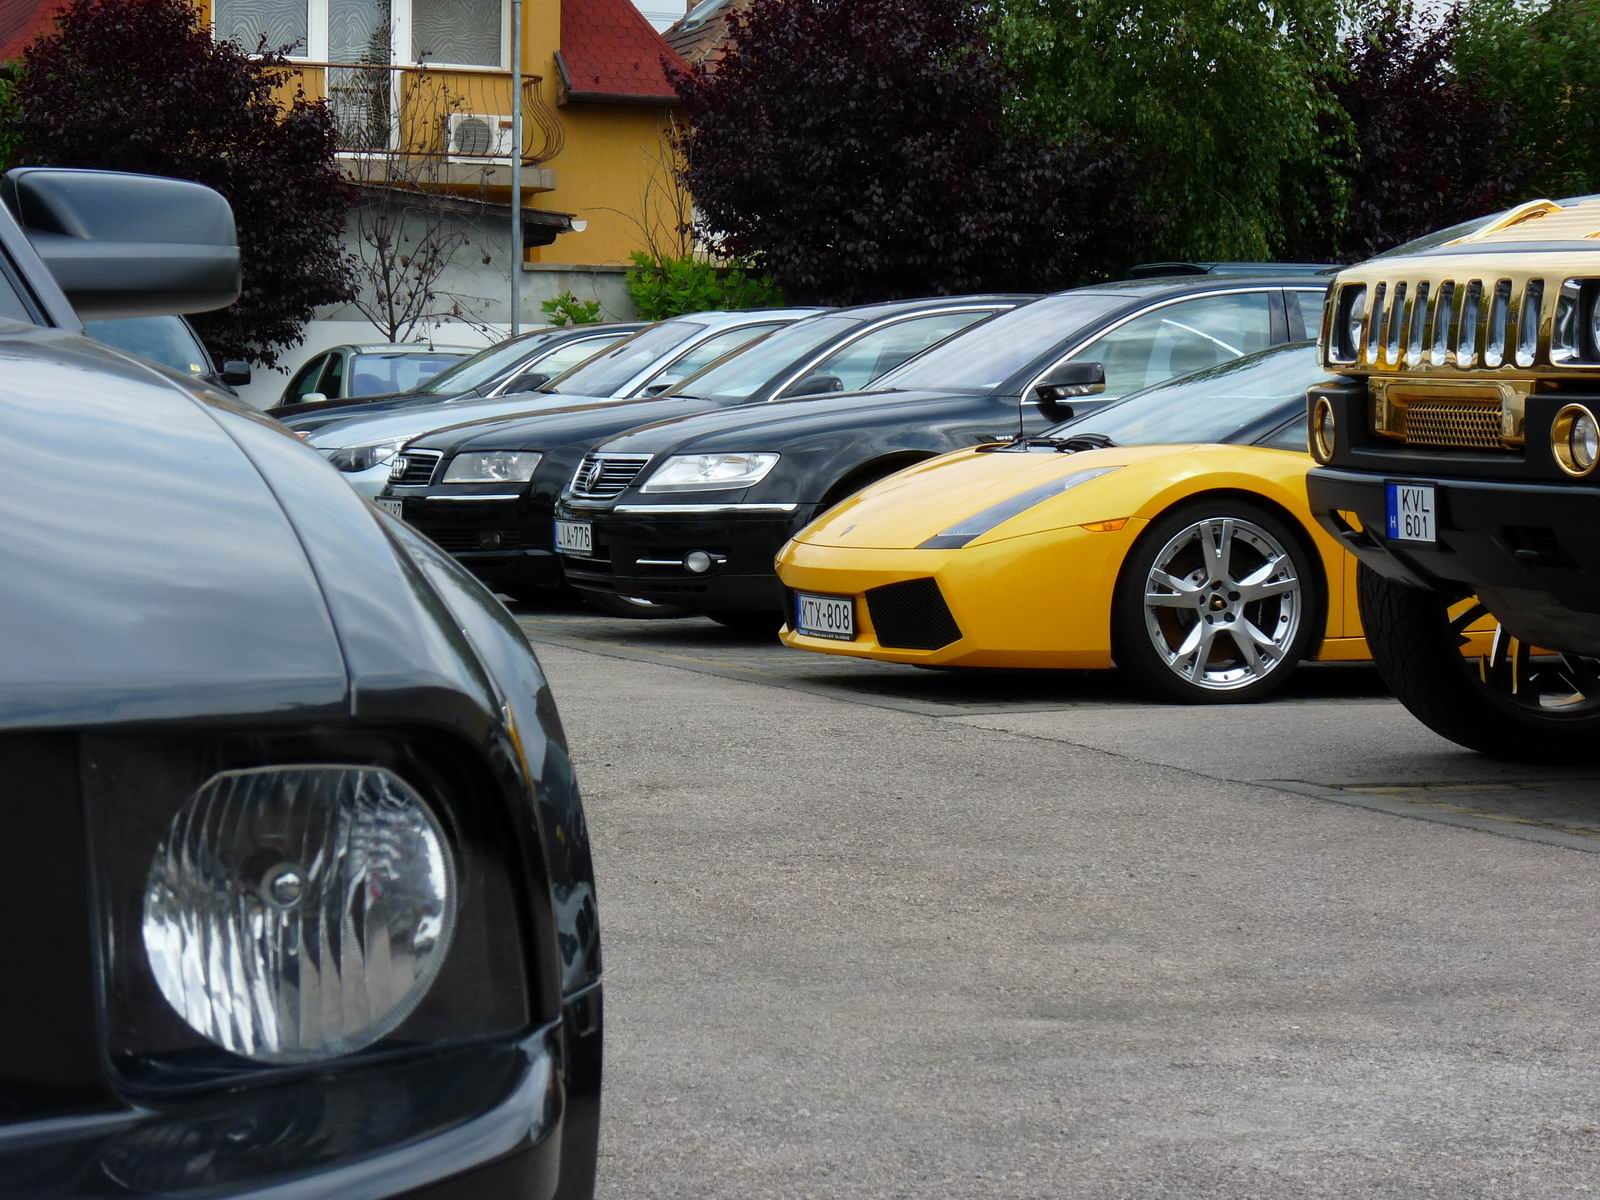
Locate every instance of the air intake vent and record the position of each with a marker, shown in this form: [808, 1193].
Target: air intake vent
[912, 616]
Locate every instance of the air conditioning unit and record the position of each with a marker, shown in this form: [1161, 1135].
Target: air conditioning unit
[479, 135]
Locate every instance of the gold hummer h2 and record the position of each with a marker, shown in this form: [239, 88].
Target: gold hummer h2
[1459, 459]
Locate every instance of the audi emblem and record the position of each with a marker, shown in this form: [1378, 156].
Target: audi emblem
[397, 469]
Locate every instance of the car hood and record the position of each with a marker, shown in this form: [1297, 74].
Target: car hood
[138, 541]
[754, 426]
[932, 498]
[412, 421]
[544, 431]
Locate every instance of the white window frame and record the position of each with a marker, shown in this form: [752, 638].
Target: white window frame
[316, 50]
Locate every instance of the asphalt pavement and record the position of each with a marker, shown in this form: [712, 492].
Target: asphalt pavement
[875, 931]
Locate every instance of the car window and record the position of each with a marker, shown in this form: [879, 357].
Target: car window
[332, 383]
[1292, 436]
[1310, 305]
[12, 306]
[708, 351]
[1179, 338]
[487, 364]
[882, 350]
[570, 354]
[738, 377]
[305, 379]
[605, 374]
[164, 340]
[380, 374]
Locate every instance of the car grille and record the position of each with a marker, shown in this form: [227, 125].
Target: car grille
[605, 476]
[414, 468]
[912, 616]
[1456, 424]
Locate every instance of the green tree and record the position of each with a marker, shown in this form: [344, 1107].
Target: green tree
[1542, 61]
[1229, 102]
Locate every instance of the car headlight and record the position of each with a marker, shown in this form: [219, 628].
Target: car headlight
[364, 458]
[710, 472]
[976, 526]
[495, 466]
[299, 913]
[1575, 333]
[1348, 323]
[1575, 440]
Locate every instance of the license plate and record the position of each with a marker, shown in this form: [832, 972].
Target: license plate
[397, 507]
[574, 537]
[1413, 516]
[827, 616]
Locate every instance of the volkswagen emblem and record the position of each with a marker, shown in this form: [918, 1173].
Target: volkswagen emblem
[592, 479]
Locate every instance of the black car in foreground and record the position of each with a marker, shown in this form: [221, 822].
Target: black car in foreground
[486, 491]
[692, 512]
[301, 901]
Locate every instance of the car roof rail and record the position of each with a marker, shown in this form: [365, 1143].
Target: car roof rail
[1153, 270]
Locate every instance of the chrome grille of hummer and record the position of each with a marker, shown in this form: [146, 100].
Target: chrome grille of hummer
[1455, 424]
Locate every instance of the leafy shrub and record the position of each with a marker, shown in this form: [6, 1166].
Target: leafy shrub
[663, 288]
[567, 309]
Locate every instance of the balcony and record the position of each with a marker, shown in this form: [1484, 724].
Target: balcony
[426, 126]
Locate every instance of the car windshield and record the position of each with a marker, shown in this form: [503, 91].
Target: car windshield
[987, 355]
[1212, 405]
[486, 364]
[381, 374]
[607, 374]
[164, 340]
[743, 375]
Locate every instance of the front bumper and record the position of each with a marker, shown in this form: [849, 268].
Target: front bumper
[1040, 601]
[642, 554]
[1530, 551]
[494, 1121]
[507, 543]
[370, 483]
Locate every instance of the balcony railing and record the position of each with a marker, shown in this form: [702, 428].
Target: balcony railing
[388, 114]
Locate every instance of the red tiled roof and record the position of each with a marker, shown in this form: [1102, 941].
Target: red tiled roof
[23, 20]
[610, 52]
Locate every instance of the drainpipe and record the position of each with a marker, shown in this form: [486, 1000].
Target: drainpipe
[516, 167]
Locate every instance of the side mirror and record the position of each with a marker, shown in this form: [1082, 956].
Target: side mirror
[1066, 380]
[815, 385]
[128, 245]
[312, 398]
[236, 372]
[527, 382]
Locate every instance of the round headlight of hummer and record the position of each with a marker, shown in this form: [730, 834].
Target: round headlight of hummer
[299, 913]
[1575, 440]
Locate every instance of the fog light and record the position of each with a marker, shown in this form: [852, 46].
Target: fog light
[299, 913]
[1324, 430]
[698, 562]
[1575, 440]
[491, 539]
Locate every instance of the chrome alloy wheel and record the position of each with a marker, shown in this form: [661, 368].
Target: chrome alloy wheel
[1223, 603]
[1552, 685]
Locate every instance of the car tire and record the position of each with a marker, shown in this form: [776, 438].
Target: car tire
[1505, 704]
[1232, 622]
[633, 608]
[759, 622]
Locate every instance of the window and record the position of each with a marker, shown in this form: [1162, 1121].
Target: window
[569, 354]
[164, 340]
[383, 374]
[333, 378]
[707, 352]
[463, 33]
[882, 350]
[1310, 305]
[1292, 436]
[1179, 338]
[609, 373]
[305, 380]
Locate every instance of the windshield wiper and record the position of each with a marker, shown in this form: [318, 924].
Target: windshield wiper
[1074, 441]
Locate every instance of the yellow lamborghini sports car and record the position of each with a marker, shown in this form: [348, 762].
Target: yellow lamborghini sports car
[1167, 532]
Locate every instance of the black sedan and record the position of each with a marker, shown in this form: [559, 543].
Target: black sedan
[301, 901]
[486, 491]
[691, 512]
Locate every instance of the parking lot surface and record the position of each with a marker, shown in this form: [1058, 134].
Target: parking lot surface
[875, 931]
